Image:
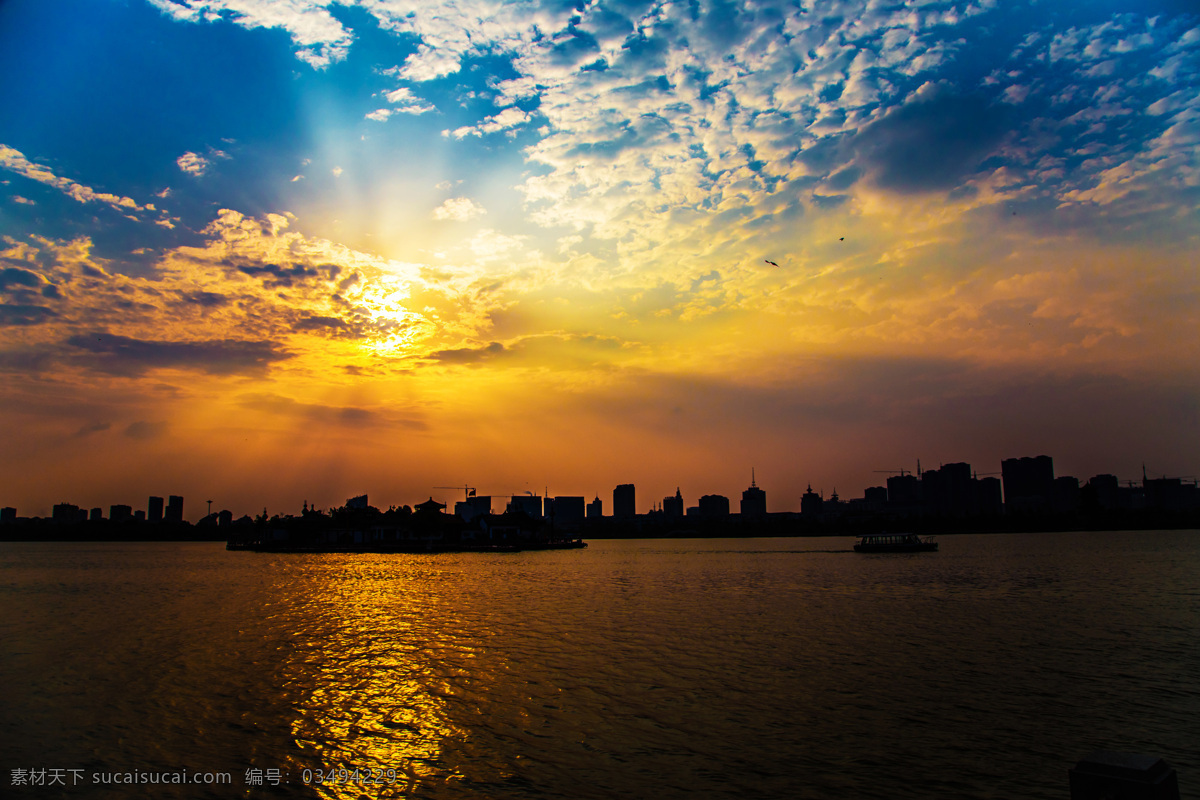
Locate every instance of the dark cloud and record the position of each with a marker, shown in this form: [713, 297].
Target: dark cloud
[574, 48]
[644, 53]
[722, 23]
[468, 355]
[22, 314]
[829, 200]
[606, 23]
[15, 276]
[843, 179]
[145, 431]
[26, 360]
[349, 416]
[278, 275]
[313, 322]
[122, 355]
[205, 299]
[95, 427]
[933, 144]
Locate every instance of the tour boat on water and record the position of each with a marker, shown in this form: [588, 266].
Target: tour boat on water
[894, 543]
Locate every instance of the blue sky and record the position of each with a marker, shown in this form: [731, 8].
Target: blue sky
[252, 196]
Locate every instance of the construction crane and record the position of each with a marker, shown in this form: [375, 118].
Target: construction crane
[468, 491]
[900, 472]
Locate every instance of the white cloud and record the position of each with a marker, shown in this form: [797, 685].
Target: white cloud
[508, 118]
[318, 37]
[337, 172]
[15, 161]
[193, 164]
[196, 164]
[407, 103]
[459, 208]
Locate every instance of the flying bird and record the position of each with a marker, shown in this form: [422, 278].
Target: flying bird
[842, 239]
[769, 261]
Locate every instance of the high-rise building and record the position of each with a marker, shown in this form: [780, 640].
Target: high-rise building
[624, 502]
[529, 504]
[595, 509]
[474, 506]
[567, 509]
[989, 498]
[65, 513]
[903, 491]
[714, 506]
[811, 503]
[754, 500]
[154, 510]
[120, 513]
[673, 506]
[8, 515]
[174, 509]
[947, 491]
[1028, 483]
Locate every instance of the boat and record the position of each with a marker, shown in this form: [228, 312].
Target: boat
[894, 543]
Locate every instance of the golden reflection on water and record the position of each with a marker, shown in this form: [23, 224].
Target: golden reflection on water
[377, 663]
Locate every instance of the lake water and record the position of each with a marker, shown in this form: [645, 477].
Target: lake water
[739, 668]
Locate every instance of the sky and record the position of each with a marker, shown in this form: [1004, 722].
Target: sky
[273, 251]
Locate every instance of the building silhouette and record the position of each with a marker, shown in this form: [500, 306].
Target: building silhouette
[473, 507]
[624, 502]
[120, 513]
[154, 509]
[714, 506]
[530, 504]
[811, 503]
[68, 514]
[673, 506]
[1028, 483]
[903, 492]
[947, 491]
[595, 509]
[754, 500]
[566, 509]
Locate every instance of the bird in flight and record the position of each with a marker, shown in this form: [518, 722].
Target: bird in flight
[769, 261]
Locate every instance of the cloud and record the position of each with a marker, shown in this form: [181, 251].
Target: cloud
[145, 431]
[197, 165]
[508, 118]
[459, 208]
[124, 355]
[14, 160]
[469, 355]
[19, 277]
[94, 427]
[340, 416]
[319, 38]
[931, 144]
[20, 314]
[407, 103]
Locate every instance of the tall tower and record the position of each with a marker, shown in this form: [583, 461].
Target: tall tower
[754, 500]
[624, 502]
[174, 509]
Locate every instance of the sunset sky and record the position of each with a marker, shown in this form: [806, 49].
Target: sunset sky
[268, 251]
